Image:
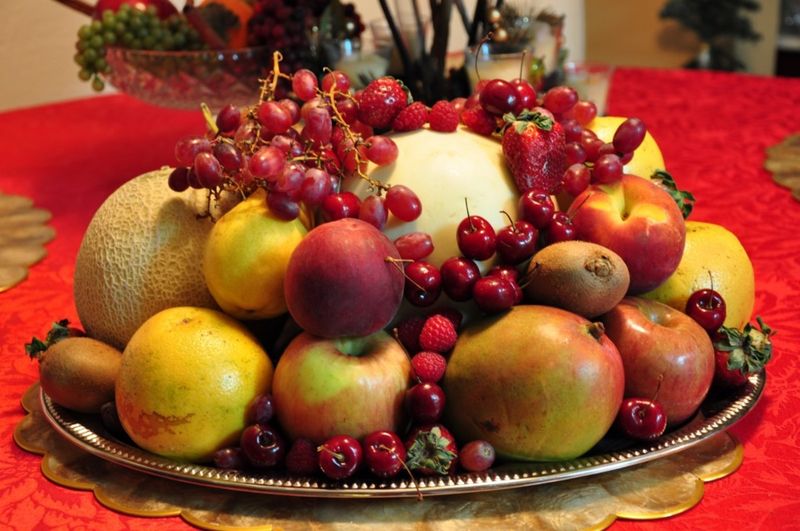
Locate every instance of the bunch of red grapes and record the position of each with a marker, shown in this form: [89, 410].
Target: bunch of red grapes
[264, 146]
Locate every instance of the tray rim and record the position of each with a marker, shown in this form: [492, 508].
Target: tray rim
[515, 475]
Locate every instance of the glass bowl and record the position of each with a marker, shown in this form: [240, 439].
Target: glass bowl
[186, 79]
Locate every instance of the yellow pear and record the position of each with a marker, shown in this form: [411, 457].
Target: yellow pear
[246, 256]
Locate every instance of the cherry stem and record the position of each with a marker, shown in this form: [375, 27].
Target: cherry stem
[658, 387]
[396, 262]
[336, 455]
[486, 38]
[410, 474]
[396, 335]
[580, 205]
[471, 226]
[510, 221]
[710, 301]
[522, 62]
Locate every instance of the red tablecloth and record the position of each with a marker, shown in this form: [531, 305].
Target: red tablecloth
[711, 127]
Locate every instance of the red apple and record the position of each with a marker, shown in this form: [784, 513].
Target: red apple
[343, 279]
[639, 221]
[538, 383]
[165, 8]
[353, 386]
[657, 342]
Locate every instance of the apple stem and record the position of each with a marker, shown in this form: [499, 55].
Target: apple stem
[396, 262]
[596, 330]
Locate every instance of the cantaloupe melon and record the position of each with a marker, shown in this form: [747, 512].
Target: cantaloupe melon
[141, 253]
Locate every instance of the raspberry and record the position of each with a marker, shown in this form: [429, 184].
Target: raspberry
[443, 117]
[438, 334]
[479, 121]
[381, 101]
[452, 315]
[302, 457]
[429, 366]
[408, 333]
[411, 118]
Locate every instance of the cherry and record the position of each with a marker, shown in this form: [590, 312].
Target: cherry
[536, 207]
[560, 229]
[516, 242]
[642, 418]
[384, 453]
[498, 97]
[339, 457]
[526, 95]
[459, 275]
[476, 238]
[505, 271]
[707, 307]
[229, 459]
[262, 445]
[423, 283]
[493, 294]
[425, 402]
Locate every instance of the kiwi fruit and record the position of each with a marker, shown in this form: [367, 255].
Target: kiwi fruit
[577, 276]
[79, 373]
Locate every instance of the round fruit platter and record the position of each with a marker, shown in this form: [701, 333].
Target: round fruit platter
[717, 413]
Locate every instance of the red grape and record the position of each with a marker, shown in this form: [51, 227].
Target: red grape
[476, 456]
[607, 169]
[381, 150]
[560, 99]
[403, 203]
[337, 78]
[316, 186]
[576, 179]
[304, 84]
[283, 206]
[230, 157]
[179, 179]
[208, 170]
[267, 162]
[318, 126]
[228, 119]
[186, 149]
[373, 211]
[414, 246]
[340, 205]
[629, 135]
[274, 118]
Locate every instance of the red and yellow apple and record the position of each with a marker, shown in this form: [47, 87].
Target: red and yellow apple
[666, 354]
[343, 279]
[639, 221]
[353, 386]
[538, 383]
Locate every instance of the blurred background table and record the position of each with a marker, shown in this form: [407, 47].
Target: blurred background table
[712, 128]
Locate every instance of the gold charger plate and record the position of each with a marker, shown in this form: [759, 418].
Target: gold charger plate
[717, 414]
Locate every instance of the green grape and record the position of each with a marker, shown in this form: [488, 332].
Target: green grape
[108, 24]
[107, 14]
[82, 44]
[123, 16]
[98, 84]
[136, 44]
[135, 23]
[168, 42]
[149, 42]
[96, 41]
[151, 10]
[96, 26]
[127, 39]
[84, 32]
[100, 65]
[179, 40]
[120, 28]
[89, 55]
[109, 38]
[79, 60]
[124, 8]
[84, 75]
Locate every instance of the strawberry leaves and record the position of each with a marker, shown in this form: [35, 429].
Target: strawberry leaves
[748, 349]
[520, 122]
[431, 452]
[684, 199]
[59, 331]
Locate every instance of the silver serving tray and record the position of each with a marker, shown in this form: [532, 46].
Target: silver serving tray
[717, 414]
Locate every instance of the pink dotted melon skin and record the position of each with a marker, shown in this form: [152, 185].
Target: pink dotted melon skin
[141, 254]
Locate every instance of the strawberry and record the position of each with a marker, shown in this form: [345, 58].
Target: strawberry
[431, 450]
[438, 334]
[302, 457]
[443, 117]
[411, 118]
[534, 149]
[408, 333]
[381, 101]
[429, 366]
[739, 353]
[479, 121]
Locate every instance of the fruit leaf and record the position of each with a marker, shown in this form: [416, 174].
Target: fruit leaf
[59, 331]
[520, 122]
[683, 198]
[749, 350]
[430, 451]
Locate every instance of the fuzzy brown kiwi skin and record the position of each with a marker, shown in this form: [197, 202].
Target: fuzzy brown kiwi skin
[581, 277]
[79, 373]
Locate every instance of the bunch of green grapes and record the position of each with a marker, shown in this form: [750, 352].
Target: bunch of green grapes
[129, 28]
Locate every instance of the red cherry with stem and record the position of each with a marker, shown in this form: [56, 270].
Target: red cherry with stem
[476, 456]
[707, 307]
[459, 275]
[384, 453]
[560, 229]
[425, 402]
[536, 207]
[340, 205]
[262, 445]
[516, 242]
[339, 457]
[493, 294]
[642, 418]
[526, 95]
[508, 272]
[423, 283]
[498, 97]
[475, 237]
